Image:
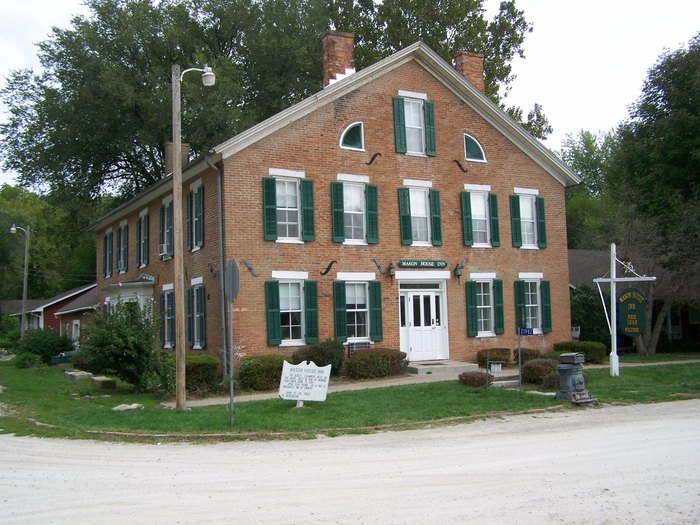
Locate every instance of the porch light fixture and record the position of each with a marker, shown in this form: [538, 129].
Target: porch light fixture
[391, 270]
[208, 79]
[459, 268]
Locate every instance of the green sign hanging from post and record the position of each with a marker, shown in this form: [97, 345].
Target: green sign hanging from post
[631, 317]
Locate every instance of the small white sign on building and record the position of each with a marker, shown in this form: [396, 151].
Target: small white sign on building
[304, 382]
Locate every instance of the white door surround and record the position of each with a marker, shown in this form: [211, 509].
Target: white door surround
[423, 319]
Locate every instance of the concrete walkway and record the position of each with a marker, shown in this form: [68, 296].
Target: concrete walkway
[407, 379]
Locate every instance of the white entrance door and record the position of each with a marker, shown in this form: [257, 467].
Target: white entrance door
[423, 325]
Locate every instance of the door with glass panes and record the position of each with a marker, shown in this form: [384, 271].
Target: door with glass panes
[423, 320]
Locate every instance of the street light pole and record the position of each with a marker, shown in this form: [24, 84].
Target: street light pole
[23, 320]
[208, 79]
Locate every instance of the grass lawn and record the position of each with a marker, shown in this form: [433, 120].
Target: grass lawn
[42, 402]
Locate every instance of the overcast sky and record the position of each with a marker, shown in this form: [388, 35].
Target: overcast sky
[585, 63]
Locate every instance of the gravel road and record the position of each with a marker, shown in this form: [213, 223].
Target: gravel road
[611, 465]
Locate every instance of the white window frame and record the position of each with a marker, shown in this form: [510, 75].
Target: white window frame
[292, 341]
[362, 137]
[532, 279]
[528, 201]
[361, 214]
[123, 248]
[483, 154]
[475, 196]
[197, 282]
[145, 234]
[488, 331]
[414, 116]
[169, 293]
[424, 215]
[364, 285]
[167, 226]
[107, 258]
[195, 189]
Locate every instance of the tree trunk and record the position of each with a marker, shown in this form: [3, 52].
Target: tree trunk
[646, 344]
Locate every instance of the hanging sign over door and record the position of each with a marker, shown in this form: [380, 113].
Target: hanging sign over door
[631, 305]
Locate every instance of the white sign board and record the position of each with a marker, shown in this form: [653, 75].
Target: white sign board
[304, 382]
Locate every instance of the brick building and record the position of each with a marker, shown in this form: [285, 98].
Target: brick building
[398, 206]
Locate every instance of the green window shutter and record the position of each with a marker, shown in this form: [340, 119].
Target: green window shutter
[308, 230]
[376, 332]
[541, 227]
[337, 212]
[467, 230]
[311, 311]
[188, 219]
[546, 299]
[272, 302]
[399, 125]
[493, 212]
[171, 315]
[199, 213]
[270, 208]
[435, 221]
[162, 319]
[472, 310]
[190, 317]
[139, 240]
[161, 231]
[519, 305]
[372, 213]
[104, 256]
[340, 315]
[429, 117]
[125, 255]
[498, 325]
[119, 249]
[171, 231]
[515, 229]
[405, 216]
[201, 315]
[146, 238]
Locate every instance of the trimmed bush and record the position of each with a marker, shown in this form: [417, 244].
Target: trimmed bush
[475, 379]
[261, 372]
[594, 352]
[202, 373]
[380, 362]
[495, 354]
[45, 344]
[535, 370]
[330, 352]
[27, 360]
[527, 354]
[551, 381]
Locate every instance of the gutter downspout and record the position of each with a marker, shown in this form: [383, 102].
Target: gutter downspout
[222, 269]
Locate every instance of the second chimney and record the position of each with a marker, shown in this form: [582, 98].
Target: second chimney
[169, 159]
[471, 66]
[338, 55]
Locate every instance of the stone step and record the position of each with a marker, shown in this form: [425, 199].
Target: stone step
[441, 367]
[505, 383]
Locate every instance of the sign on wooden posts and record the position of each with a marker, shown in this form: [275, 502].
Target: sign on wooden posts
[631, 318]
[304, 382]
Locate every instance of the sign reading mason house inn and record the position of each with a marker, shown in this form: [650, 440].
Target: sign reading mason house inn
[419, 264]
[631, 317]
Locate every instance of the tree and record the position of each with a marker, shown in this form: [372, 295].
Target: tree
[653, 179]
[97, 118]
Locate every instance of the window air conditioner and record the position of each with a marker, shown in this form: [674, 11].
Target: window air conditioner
[162, 250]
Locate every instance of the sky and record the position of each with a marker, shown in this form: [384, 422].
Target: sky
[585, 61]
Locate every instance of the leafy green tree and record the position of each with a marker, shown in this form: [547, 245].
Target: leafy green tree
[120, 342]
[653, 180]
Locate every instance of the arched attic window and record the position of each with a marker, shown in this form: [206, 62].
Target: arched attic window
[353, 137]
[473, 150]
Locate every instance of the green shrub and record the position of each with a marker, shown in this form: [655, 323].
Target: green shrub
[535, 370]
[475, 379]
[594, 352]
[202, 373]
[551, 382]
[45, 344]
[9, 332]
[527, 354]
[495, 354]
[380, 362]
[27, 360]
[261, 372]
[330, 352]
[162, 375]
[120, 343]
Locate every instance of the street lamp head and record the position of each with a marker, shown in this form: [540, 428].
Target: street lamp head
[208, 76]
[13, 229]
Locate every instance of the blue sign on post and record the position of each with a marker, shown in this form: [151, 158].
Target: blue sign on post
[526, 331]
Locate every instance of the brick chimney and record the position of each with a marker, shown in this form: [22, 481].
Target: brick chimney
[338, 56]
[184, 152]
[471, 66]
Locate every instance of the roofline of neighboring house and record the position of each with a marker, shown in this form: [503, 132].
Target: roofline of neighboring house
[419, 51]
[79, 309]
[58, 298]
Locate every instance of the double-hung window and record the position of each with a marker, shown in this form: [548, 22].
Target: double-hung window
[196, 319]
[528, 228]
[107, 246]
[142, 234]
[167, 316]
[480, 216]
[419, 214]
[357, 300]
[166, 239]
[354, 210]
[533, 306]
[414, 124]
[122, 246]
[195, 216]
[292, 309]
[484, 305]
[288, 206]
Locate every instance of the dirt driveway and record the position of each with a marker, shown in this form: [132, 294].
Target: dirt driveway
[637, 464]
